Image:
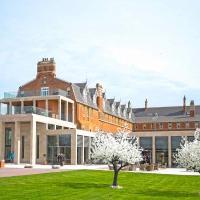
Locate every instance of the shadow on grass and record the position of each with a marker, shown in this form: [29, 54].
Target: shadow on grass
[169, 194]
[79, 185]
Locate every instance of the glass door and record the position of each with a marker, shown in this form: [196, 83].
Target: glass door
[9, 155]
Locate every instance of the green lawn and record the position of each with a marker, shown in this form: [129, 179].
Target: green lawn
[94, 185]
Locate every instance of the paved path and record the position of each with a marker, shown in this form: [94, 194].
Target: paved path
[8, 172]
[19, 170]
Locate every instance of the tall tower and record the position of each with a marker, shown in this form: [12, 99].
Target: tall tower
[46, 66]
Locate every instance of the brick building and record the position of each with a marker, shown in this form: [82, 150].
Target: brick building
[48, 116]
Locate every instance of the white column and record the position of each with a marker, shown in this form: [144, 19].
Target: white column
[34, 106]
[153, 149]
[73, 112]
[22, 107]
[2, 140]
[82, 152]
[73, 147]
[89, 148]
[47, 107]
[59, 108]
[10, 108]
[66, 109]
[169, 152]
[0, 108]
[138, 139]
[17, 143]
[33, 142]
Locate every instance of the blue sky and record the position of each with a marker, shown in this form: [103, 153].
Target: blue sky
[136, 49]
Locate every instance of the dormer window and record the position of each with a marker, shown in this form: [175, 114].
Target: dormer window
[44, 91]
[68, 91]
[118, 110]
[129, 115]
[94, 100]
[85, 94]
[113, 107]
[124, 113]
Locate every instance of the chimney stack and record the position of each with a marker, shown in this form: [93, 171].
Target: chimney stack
[184, 104]
[99, 89]
[46, 66]
[129, 104]
[146, 104]
[192, 109]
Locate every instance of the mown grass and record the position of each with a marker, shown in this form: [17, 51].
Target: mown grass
[95, 185]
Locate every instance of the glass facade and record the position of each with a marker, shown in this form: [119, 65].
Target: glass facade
[146, 144]
[56, 145]
[175, 144]
[8, 145]
[22, 147]
[79, 148]
[161, 150]
[86, 149]
[37, 146]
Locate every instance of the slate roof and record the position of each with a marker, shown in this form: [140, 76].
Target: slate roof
[165, 114]
[78, 89]
[92, 91]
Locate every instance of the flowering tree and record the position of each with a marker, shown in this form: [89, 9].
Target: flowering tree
[117, 149]
[188, 155]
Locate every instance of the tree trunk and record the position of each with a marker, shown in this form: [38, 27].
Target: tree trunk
[115, 179]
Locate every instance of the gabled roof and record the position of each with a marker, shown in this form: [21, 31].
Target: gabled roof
[81, 85]
[117, 104]
[111, 101]
[92, 91]
[87, 100]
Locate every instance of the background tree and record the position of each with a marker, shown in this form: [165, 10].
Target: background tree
[117, 149]
[188, 155]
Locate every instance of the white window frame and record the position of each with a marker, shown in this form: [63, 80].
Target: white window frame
[187, 125]
[44, 91]
[169, 125]
[161, 125]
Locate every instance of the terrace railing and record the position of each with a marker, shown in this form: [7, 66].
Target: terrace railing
[30, 93]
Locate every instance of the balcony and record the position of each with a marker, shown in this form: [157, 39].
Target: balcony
[16, 110]
[30, 93]
[27, 110]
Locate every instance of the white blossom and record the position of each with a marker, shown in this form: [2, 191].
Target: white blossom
[116, 147]
[188, 155]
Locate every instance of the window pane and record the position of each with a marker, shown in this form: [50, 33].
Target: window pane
[176, 141]
[146, 142]
[8, 136]
[52, 141]
[162, 143]
[64, 140]
[23, 144]
[37, 146]
[86, 141]
[79, 141]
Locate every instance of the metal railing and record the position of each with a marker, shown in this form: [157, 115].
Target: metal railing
[30, 93]
[5, 110]
[26, 110]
